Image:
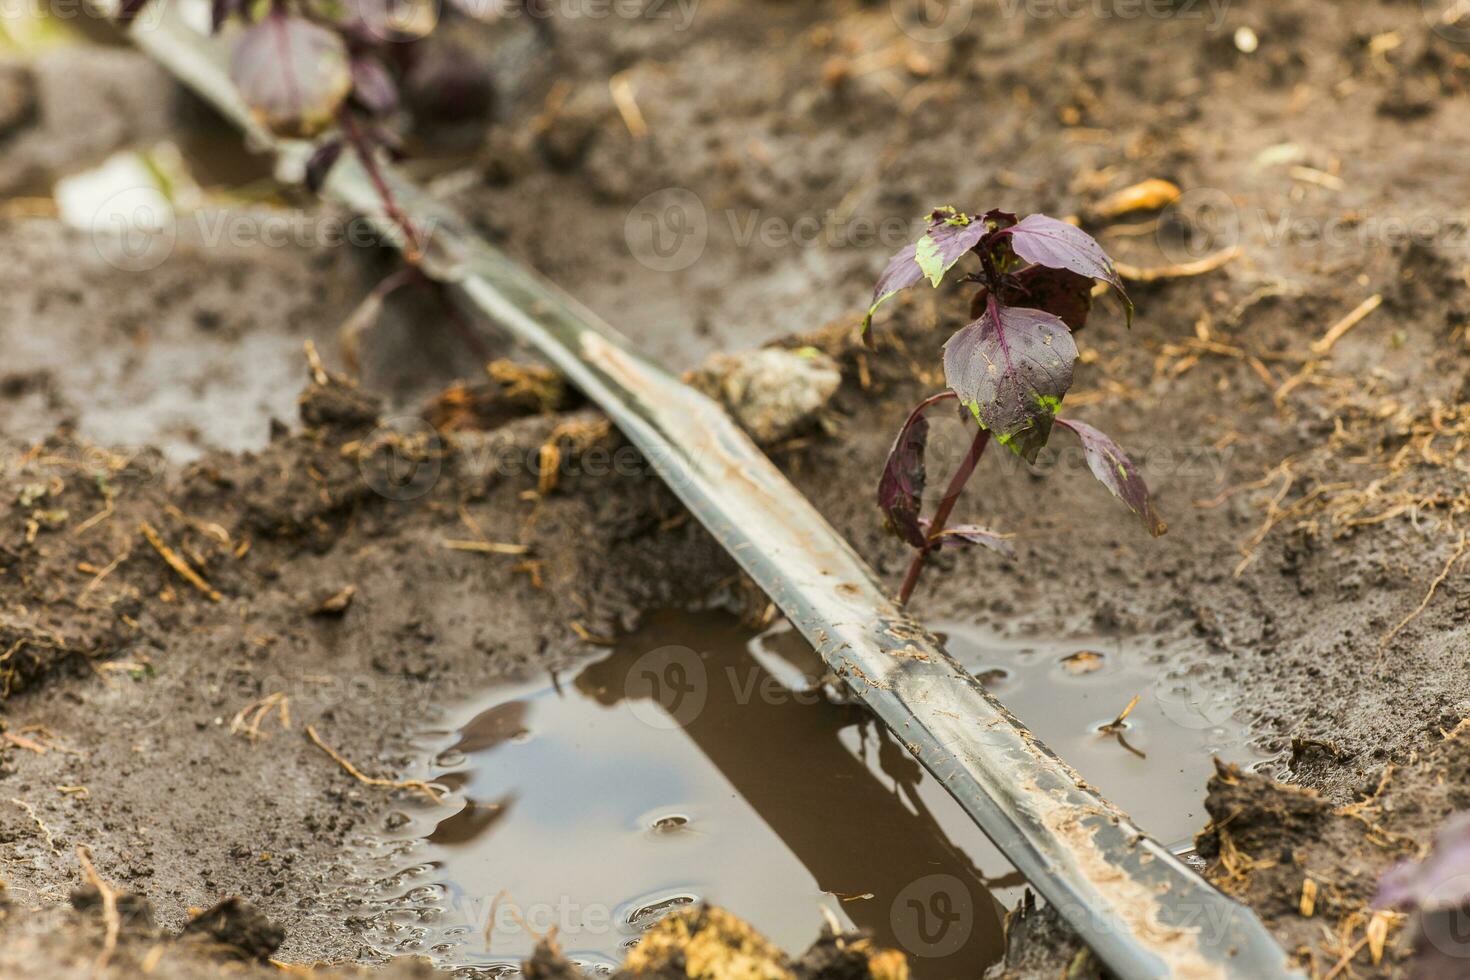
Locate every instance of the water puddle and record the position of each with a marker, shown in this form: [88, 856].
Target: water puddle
[696, 763]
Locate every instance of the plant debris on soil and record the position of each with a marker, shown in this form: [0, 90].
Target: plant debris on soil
[196, 570]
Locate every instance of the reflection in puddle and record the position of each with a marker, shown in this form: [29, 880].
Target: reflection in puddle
[697, 764]
[1154, 766]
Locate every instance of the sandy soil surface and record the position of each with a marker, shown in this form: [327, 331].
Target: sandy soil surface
[1313, 493]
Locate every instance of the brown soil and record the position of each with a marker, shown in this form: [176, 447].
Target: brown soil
[1306, 529]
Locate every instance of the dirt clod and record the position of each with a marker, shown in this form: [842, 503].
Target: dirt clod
[237, 926]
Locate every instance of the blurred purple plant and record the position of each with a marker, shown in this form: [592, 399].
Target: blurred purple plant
[332, 70]
[1437, 890]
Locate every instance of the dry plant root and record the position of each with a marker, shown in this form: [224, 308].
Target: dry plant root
[1183, 270]
[1322, 346]
[1428, 596]
[247, 720]
[178, 563]
[417, 785]
[481, 542]
[109, 910]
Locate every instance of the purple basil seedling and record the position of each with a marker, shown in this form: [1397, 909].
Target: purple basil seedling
[1009, 368]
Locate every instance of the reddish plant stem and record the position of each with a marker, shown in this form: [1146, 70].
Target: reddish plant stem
[941, 515]
[412, 250]
[412, 246]
[462, 326]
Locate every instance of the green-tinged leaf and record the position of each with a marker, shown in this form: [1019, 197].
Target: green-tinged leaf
[1011, 368]
[1116, 471]
[931, 263]
[901, 272]
[950, 235]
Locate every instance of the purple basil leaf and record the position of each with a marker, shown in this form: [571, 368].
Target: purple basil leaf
[1058, 245]
[902, 484]
[321, 163]
[372, 87]
[901, 273]
[293, 74]
[1061, 292]
[1116, 471]
[962, 535]
[1441, 881]
[1001, 219]
[951, 234]
[1011, 368]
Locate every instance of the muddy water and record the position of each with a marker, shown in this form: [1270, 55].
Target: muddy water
[698, 763]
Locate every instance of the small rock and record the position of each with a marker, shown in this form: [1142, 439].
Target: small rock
[772, 392]
[335, 604]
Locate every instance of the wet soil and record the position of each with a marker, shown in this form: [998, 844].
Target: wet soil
[1309, 518]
